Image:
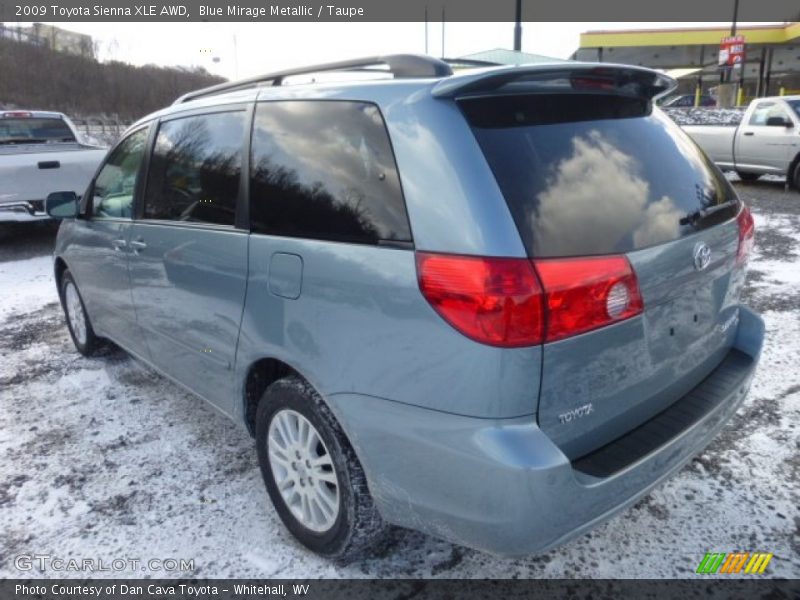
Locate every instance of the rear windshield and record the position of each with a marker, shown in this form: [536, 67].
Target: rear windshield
[33, 131]
[587, 174]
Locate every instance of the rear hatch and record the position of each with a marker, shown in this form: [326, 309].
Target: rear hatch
[593, 175]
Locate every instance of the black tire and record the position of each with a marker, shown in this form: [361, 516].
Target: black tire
[87, 344]
[358, 526]
[748, 176]
[795, 179]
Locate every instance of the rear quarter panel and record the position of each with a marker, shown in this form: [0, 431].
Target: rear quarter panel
[361, 325]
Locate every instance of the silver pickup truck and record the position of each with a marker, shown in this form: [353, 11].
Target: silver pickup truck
[40, 152]
[767, 141]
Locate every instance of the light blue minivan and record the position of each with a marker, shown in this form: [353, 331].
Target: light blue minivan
[496, 306]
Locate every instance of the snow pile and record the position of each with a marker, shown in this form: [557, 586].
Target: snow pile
[705, 116]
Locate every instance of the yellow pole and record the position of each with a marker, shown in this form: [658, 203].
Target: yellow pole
[739, 96]
[782, 91]
[697, 95]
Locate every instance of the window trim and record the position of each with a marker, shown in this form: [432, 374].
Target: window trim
[247, 108]
[381, 243]
[87, 202]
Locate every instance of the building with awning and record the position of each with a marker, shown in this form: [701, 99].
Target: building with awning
[771, 64]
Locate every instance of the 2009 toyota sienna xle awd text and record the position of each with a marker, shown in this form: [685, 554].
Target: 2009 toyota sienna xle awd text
[496, 306]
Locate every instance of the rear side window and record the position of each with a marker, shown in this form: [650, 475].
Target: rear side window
[195, 168]
[587, 174]
[325, 170]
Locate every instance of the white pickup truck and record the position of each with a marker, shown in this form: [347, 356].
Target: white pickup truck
[767, 141]
[40, 152]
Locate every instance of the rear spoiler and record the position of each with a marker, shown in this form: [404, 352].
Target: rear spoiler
[615, 79]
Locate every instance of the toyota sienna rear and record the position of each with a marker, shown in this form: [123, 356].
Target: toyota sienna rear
[496, 306]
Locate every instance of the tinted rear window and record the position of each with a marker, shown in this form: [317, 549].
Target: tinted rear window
[325, 170]
[29, 130]
[588, 174]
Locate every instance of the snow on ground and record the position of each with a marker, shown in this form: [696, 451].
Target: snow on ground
[705, 116]
[30, 283]
[102, 458]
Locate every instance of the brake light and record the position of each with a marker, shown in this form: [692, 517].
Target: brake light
[18, 114]
[582, 294]
[513, 302]
[591, 83]
[495, 301]
[747, 234]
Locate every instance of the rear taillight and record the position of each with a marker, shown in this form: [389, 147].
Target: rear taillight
[502, 301]
[582, 294]
[495, 301]
[747, 234]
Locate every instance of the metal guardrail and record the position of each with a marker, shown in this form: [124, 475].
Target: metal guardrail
[101, 129]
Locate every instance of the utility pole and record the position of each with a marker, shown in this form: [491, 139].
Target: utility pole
[443, 21]
[426, 29]
[518, 28]
[729, 72]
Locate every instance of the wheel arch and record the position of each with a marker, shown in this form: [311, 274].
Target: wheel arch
[260, 375]
[59, 266]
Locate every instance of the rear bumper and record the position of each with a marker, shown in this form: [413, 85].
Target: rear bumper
[23, 211]
[502, 485]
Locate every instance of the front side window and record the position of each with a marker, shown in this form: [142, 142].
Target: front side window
[112, 196]
[759, 116]
[765, 111]
[195, 168]
[795, 106]
[325, 170]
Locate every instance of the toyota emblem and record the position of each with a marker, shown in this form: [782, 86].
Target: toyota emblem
[702, 256]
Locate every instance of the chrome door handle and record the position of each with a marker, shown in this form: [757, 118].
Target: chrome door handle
[137, 246]
[118, 244]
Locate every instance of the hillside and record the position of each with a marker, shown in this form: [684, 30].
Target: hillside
[39, 78]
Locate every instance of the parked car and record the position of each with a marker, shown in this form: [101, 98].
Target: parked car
[688, 101]
[767, 141]
[40, 152]
[466, 304]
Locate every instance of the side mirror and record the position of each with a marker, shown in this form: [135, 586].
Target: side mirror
[778, 122]
[62, 205]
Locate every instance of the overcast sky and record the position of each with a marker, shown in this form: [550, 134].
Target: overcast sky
[247, 49]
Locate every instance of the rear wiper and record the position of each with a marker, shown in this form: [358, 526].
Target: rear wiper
[22, 141]
[693, 217]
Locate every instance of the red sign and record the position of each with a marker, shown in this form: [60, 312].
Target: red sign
[731, 51]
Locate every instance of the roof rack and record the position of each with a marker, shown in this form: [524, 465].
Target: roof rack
[399, 65]
[470, 62]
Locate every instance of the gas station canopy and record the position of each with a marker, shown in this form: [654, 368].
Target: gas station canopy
[772, 51]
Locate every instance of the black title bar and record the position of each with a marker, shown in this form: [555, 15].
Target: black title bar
[699, 586]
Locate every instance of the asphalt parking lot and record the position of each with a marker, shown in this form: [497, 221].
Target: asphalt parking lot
[102, 458]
